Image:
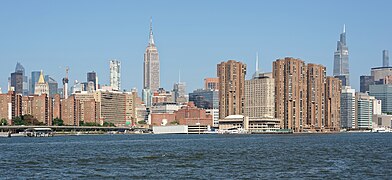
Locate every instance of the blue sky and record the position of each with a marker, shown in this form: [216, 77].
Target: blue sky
[191, 36]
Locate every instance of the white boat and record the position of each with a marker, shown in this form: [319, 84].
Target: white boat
[38, 132]
[233, 131]
[211, 132]
[381, 130]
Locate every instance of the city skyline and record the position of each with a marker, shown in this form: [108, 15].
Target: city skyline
[194, 44]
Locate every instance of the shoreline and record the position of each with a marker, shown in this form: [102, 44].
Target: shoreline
[5, 135]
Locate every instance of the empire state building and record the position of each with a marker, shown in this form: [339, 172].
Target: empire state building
[151, 76]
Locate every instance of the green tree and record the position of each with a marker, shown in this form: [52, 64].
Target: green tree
[91, 124]
[58, 122]
[175, 122]
[18, 121]
[26, 119]
[141, 122]
[3, 122]
[108, 124]
[31, 120]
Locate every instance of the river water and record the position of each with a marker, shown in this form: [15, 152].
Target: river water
[305, 156]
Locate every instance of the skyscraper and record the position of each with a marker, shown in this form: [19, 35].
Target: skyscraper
[305, 98]
[364, 110]
[92, 77]
[211, 83]
[17, 82]
[179, 91]
[260, 96]
[53, 85]
[347, 107]
[151, 76]
[205, 98]
[316, 96]
[115, 75]
[231, 88]
[290, 93]
[147, 97]
[385, 58]
[41, 87]
[333, 90]
[34, 79]
[341, 65]
[21, 69]
[365, 82]
[382, 92]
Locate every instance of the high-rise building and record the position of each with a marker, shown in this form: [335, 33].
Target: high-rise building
[211, 83]
[56, 106]
[205, 98]
[385, 58]
[231, 76]
[17, 82]
[382, 92]
[379, 73]
[179, 92]
[41, 87]
[333, 89]
[341, 64]
[347, 108]
[364, 109]
[260, 96]
[377, 108]
[39, 106]
[151, 76]
[70, 108]
[21, 69]
[147, 97]
[115, 75]
[316, 96]
[89, 109]
[10, 105]
[34, 79]
[365, 82]
[53, 85]
[92, 77]
[290, 93]
[113, 106]
[305, 98]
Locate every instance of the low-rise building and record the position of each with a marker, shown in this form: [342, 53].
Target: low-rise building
[252, 125]
[162, 119]
[191, 115]
[382, 121]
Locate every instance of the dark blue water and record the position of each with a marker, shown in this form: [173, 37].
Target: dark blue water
[353, 156]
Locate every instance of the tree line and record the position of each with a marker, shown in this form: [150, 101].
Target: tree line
[29, 120]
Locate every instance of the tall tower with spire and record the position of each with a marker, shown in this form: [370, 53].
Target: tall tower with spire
[151, 76]
[41, 87]
[179, 91]
[341, 65]
[257, 72]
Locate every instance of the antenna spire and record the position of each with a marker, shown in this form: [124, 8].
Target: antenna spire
[151, 42]
[257, 62]
[344, 28]
[179, 76]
